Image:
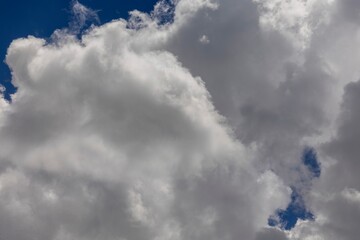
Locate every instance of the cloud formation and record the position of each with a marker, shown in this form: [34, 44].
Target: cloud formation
[190, 122]
[109, 137]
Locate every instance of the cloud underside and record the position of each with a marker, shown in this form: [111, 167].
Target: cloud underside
[186, 123]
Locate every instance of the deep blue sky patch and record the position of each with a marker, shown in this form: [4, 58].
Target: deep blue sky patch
[311, 162]
[40, 18]
[287, 219]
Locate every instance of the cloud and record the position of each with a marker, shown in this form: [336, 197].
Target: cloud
[277, 71]
[135, 130]
[111, 137]
[275, 94]
[271, 234]
[204, 39]
[81, 15]
[335, 198]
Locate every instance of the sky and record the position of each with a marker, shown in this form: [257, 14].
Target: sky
[180, 119]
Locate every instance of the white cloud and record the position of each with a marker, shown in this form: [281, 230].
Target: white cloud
[114, 137]
[204, 39]
[111, 137]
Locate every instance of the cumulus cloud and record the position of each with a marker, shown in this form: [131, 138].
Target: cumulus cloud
[111, 137]
[135, 130]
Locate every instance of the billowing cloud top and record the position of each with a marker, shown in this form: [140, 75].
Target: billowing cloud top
[200, 120]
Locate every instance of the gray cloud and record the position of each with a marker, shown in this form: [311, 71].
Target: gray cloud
[273, 92]
[271, 234]
[277, 70]
[337, 198]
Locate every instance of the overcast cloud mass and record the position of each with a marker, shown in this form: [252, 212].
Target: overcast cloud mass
[202, 120]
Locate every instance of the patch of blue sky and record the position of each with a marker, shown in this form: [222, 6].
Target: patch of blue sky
[287, 219]
[310, 160]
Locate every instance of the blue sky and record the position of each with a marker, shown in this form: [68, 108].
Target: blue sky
[40, 18]
[297, 209]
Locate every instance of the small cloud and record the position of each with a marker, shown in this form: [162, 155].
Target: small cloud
[204, 39]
